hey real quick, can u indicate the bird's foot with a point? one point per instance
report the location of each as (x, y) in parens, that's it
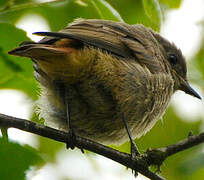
(134, 150)
(71, 139)
(134, 154)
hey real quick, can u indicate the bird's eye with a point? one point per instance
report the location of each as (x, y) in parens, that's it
(172, 59)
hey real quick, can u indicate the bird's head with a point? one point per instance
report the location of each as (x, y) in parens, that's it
(177, 65)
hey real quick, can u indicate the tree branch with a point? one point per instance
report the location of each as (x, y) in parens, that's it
(140, 164)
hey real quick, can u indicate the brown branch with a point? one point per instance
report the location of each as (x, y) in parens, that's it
(184, 144)
(140, 164)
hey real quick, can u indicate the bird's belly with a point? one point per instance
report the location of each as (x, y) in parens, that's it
(103, 123)
(93, 111)
(97, 116)
(96, 109)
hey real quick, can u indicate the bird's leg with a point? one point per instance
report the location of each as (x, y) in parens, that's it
(134, 151)
(71, 135)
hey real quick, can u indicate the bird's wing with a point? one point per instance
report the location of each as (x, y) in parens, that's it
(120, 39)
(97, 33)
(128, 41)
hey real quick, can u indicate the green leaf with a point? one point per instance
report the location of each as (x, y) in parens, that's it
(16, 72)
(67, 11)
(198, 63)
(105, 10)
(153, 11)
(3, 4)
(12, 10)
(133, 12)
(190, 165)
(49, 148)
(60, 13)
(22, 1)
(7, 4)
(16, 159)
(171, 4)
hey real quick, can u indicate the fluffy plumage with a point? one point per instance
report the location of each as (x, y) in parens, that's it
(108, 69)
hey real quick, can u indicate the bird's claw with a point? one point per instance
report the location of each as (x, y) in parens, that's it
(71, 139)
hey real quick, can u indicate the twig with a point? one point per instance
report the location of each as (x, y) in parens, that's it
(140, 164)
(184, 144)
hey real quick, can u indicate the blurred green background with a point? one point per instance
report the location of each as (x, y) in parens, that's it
(17, 158)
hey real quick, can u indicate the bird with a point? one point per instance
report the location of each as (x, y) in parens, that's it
(107, 81)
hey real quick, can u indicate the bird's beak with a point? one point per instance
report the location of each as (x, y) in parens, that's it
(189, 90)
